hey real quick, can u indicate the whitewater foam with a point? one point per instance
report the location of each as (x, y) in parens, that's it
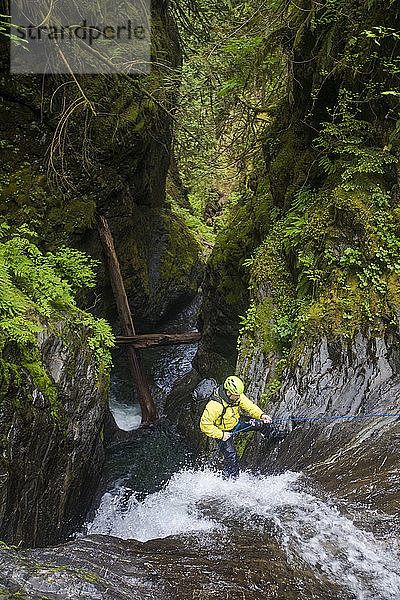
(309, 529)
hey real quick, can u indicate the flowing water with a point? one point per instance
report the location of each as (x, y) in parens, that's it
(163, 365)
(152, 490)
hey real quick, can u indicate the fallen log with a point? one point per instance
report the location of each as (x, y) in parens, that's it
(157, 339)
(149, 411)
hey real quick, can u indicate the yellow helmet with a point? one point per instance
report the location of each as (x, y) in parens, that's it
(234, 385)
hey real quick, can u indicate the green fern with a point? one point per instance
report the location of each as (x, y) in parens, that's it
(37, 289)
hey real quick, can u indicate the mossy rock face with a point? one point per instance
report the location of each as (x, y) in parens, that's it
(161, 262)
(225, 287)
(51, 447)
(66, 159)
(174, 266)
(324, 283)
(331, 260)
(290, 166)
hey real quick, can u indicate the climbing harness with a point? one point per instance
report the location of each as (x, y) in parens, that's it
(236, 430)
(217, 398)
(222, 441)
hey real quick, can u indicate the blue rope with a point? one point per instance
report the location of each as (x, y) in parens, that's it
(309, 419)
(331, 417)
(244, 429)
(236, 430)
(219, 447)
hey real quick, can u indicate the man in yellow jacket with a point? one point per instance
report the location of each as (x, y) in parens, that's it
(221, 416)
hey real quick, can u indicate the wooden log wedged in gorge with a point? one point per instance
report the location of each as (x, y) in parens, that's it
(158, 339)
(149, 411)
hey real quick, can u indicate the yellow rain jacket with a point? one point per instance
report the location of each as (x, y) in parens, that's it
(214, 421)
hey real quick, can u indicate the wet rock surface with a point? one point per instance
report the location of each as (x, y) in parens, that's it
(51, 450)
(179, 568)
(281, 554)
(355, 458)
(185, 405)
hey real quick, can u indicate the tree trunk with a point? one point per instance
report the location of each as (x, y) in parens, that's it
(158, 339)
(149, 411)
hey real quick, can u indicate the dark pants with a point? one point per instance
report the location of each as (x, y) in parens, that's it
(231, 468)
(228, 448)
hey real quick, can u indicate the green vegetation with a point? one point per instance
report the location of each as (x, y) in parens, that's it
(228, 79)
(6, 30)
(204, 234)
(331, 261)
(37, 293)
(284, 163)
